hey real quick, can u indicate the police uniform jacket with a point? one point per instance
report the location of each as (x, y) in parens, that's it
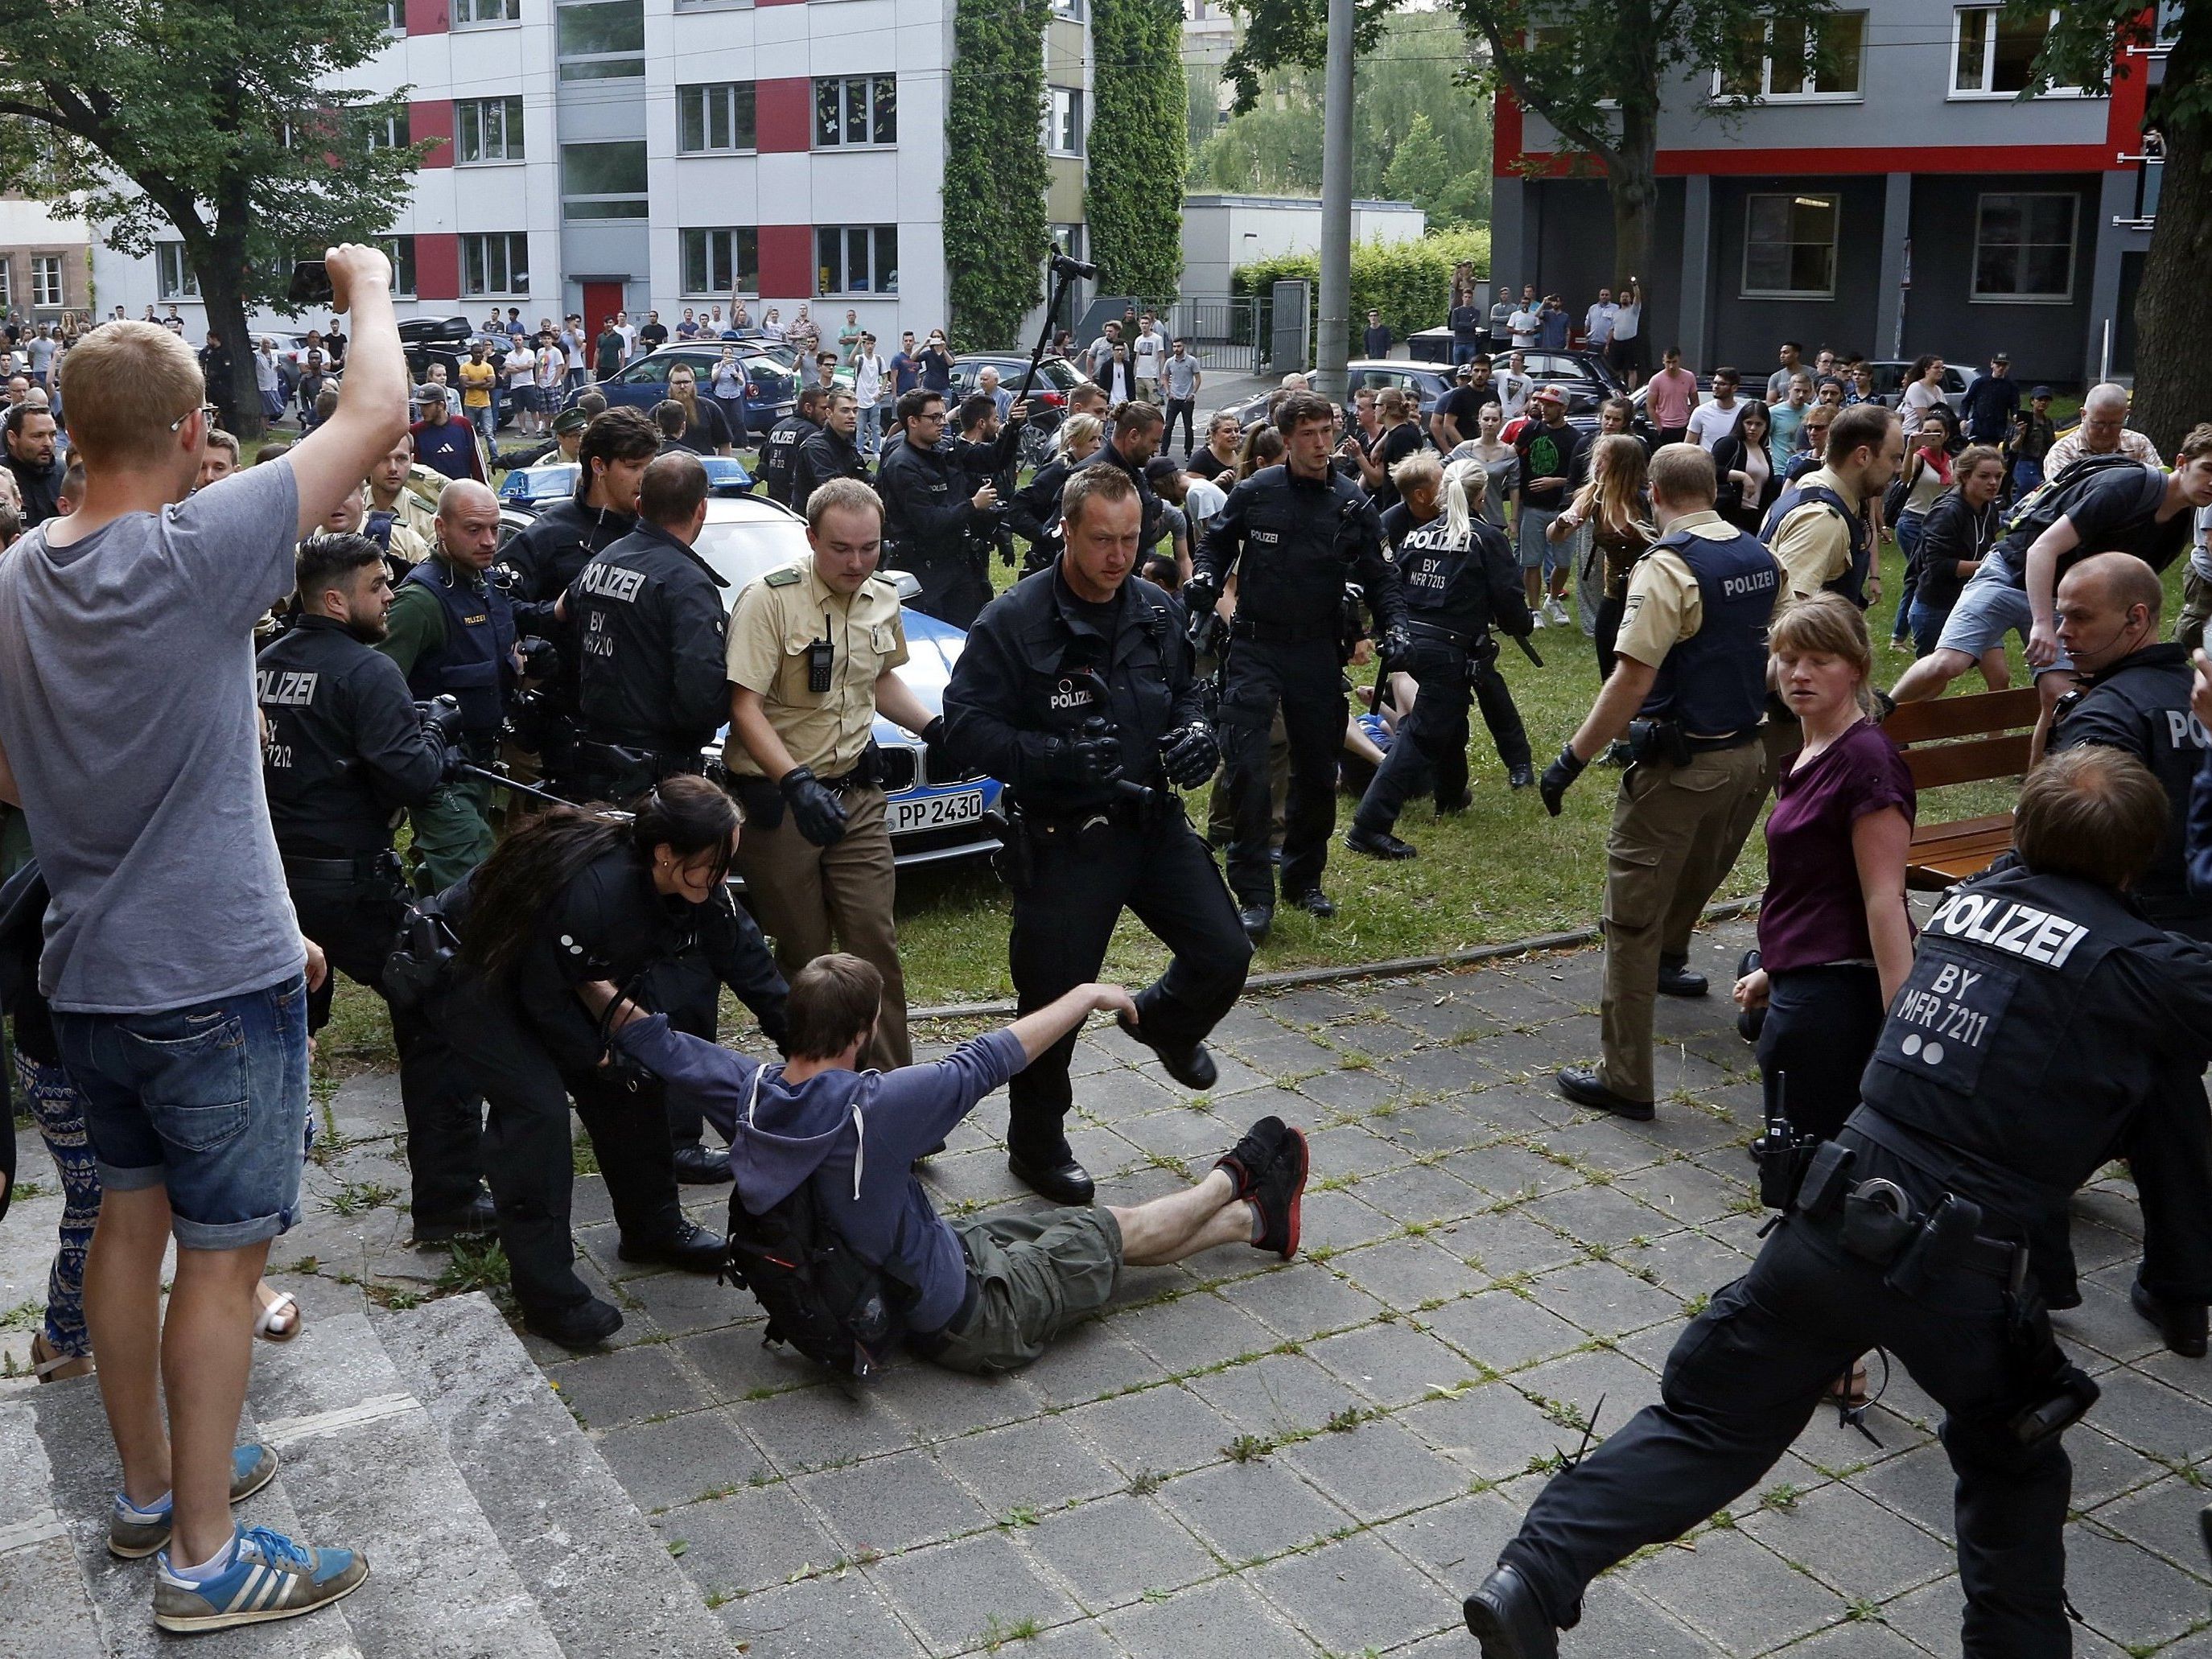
(472, 662)
(2141, 704)
(1033, 511)
(822, 456)
(546, 554)
(2039, 1012)
(608, 923)
(346, 750)
(1817, 527)
(1465, 590)
(1294, 543)
(780, 455)
(648, 617)
(1021, 681)
(927, 512)
(1699, 604)
(778, 619)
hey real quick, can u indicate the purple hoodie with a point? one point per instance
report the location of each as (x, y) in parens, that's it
(863, 1175)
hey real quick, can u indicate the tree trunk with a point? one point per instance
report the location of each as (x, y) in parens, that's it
(223, 294)
(2173, 350)
(1629, 174)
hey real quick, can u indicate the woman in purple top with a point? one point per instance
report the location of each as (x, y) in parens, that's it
(1834, 939)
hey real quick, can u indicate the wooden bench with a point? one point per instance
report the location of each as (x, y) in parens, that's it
(1972, 739)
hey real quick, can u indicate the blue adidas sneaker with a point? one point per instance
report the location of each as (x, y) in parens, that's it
(269, 1577)
(129, 1537)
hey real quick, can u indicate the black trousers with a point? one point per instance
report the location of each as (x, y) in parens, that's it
(1179, 409)
(527, 1158)
(1080, 881)
(1429, 752)
(1306, 682)
(1609, 612)
(1822, 1026)
(2169, 1153)
(1743, 1381)
(356, 923)
(955, 586)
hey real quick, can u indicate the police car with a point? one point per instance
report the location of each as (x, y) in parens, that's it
(933, 816)
(537, 488)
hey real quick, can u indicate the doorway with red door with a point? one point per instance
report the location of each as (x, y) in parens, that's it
(602, 297)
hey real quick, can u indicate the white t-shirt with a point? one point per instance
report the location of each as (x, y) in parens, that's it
(521, 366)
(1201, 501)
(1523, 324)
(1513, 393)
(868, 373)
(1149, 349)
(552, 367)
(1710, 423)
(1919, 399)
(1599, 323)
(1627, 319)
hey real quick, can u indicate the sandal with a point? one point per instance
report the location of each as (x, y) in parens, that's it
(279, 1319)
(1850, 1388)
(49, 1366)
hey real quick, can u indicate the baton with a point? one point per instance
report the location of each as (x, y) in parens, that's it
(469, 770)
(1526, 649)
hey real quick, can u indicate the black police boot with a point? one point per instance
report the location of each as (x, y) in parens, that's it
(687, 1246)
(1522, 776)
(580, 1325)
(1750, 1022)
(1504, 1618)
(1190, 1065)
(1379, 844)
(1051, 1171)
(1580, 1084)
(474, 1219)
(1446, 809)
(1256, 920)
(701, 1165)
(2180, 1324)
(1675, 979)
(1313, 902)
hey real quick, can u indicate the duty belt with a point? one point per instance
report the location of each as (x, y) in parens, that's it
(1727, 740)
(1267, 633)
(1878, 1221)
(361, 867)
(1465, 639)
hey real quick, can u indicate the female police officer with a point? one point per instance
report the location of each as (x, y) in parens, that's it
(572, 896)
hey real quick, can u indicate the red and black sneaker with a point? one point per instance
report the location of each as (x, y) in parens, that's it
(1281, 1187)
(1248, 1159)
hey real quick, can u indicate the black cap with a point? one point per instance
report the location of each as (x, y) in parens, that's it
(2039, 392)
(1999, 357)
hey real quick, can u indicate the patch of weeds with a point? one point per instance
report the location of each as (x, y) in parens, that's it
(1334, 1183)
(358, 1197)
(997, 1633)
(1145, 1483)
(1418, 1229)
(1724, 1521)
(27, 1190)
(1174, 1166)
(1022, 1514)
(1547, 1463)
(1347, 1419)
(719, 1599)
(583, 1157)
(1861, 1609)
(1200, 1103)
(1565, 1413)
(1246, 1447)
(398, 1298)
(477, 1265)
(1782, 1496)
(1697, 1304)
(1155, 1596)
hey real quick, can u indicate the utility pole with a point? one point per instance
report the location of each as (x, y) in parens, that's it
(1333, 349)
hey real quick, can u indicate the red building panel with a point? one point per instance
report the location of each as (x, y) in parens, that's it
(426, 17)
(786, 260)
(783, 114)
(438, 266)
(433, 118)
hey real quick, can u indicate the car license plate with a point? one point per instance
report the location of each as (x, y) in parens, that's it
(936, 811)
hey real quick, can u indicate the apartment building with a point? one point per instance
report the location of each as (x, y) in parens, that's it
(1904, 199)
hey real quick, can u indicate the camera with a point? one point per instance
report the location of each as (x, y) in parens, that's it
(1064, 266)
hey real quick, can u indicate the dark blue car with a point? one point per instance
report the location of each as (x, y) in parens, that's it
(771, 391)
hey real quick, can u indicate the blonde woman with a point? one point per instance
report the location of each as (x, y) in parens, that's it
(1501, 464)
(1615, 505)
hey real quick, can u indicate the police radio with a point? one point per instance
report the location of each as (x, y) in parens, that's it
(1782, 1153)
(820, 653)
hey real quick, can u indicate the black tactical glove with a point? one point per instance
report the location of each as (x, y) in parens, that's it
(1097, 753)
(1189, 755)
(541, 659)
(815, 807)
(936, 763)
(1199, 596)
(1395, 645)
(1553, 786)
(441, 720)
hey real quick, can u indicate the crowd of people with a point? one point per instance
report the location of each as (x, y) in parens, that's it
(544, 715)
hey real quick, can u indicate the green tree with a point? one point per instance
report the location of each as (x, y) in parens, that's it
(1592, 69)
(1420, 172)
(1133, 197)
(995, 177)
(2173, 354)
(224, 119)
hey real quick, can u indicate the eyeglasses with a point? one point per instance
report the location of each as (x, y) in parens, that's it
(207, 412)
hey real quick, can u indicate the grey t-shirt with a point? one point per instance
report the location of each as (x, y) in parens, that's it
(1181, 376)
(128, 714)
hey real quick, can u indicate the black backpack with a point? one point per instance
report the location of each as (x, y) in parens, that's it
(820, 1296)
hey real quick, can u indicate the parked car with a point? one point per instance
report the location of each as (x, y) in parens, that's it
(538, 487)
(1421, 381)
(1890, 378)
(446, 340)
(771, 391)
(1055, 379)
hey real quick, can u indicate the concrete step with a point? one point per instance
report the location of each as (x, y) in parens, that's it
(367, 1468)
(601, 1576)
(82, 1475)
(48, 1611)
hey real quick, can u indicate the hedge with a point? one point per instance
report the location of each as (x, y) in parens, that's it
(994, 171)
(1139, 146)
(1409, 282)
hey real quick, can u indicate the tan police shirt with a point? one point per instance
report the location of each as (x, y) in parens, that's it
(1814, 544)
(777, 618)
(1664, 605)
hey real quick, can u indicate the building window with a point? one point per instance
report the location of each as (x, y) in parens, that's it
(602, 39)
(466, 14)
(2024, 247)
(857, 109)
(856, 260)
(1993, 53)
(1789, 247)
(46, 281)
(173, 277)
(1071, 10)
(395, 16)
(7, 285)
(1773, 66)
(1063, 120)
(496, 262)
(717, 263)
(487, 130)
(603, 181)
(715, 118)
(388, 132)
(400, 250)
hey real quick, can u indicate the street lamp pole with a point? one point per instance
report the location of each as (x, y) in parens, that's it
(1333, 349)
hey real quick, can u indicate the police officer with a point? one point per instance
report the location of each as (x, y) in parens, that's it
(1033, 511)
(936, 524)
(1818, 526)
(1461, 580)
(1076, 688)
(1687, 688)
(452, 634)
(990, 452)
(345, 752)
(2040, 1014)
(779, 454)
(1133, 439)
(2134, 697)
(832, 452)
(814, 652)
(1295, 534)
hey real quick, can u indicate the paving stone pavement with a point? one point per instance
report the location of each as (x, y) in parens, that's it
(1319, 1457)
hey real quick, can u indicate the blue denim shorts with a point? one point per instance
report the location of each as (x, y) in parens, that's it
(210, 1101)
(1989, 607)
